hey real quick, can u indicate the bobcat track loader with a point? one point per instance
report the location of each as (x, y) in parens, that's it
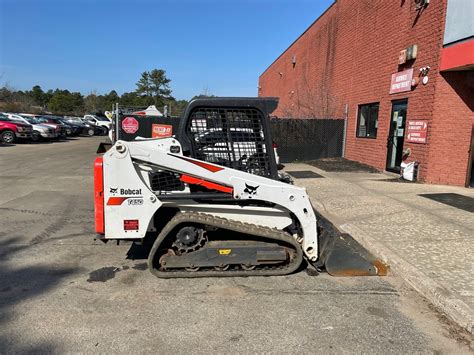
(213, 203)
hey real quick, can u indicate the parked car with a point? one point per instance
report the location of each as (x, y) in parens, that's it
(86, 128)
(10, 130)
(60, 128)
(71, 130)
(99, 121)
(98, 130)
(39, 130)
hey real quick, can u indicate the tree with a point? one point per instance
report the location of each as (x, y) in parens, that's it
(315, 100)
(155, 85)
(91, 102)
(37, 95)
(65, 102)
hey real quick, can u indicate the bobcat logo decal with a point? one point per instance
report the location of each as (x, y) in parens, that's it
(251, 190)
(113, 190)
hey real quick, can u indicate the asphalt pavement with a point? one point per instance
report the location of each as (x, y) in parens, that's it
(62, 291)
(423, 231)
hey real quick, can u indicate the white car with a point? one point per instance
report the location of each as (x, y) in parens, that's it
(39, 130)
(98, 121)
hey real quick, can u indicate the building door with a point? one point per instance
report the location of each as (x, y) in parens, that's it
(396, 135)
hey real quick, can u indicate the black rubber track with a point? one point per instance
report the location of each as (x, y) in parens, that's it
(273, 235)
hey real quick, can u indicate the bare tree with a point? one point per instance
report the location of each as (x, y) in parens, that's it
(312, 101)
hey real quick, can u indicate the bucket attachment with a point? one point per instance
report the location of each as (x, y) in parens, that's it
(342, 255)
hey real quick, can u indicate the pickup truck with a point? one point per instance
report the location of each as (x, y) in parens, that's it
(39, 130)
(10, 130)
(99, 121)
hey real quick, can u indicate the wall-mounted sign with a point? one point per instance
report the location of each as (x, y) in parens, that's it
(401, 81)
(417, 131)
(161, 130)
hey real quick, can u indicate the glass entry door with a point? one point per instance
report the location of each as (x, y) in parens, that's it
(396, 135)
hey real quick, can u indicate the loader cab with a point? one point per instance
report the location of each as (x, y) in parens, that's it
(232, 132)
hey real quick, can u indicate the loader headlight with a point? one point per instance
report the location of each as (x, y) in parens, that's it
(175, 149)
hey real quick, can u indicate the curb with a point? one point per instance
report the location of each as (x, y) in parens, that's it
(442, 298)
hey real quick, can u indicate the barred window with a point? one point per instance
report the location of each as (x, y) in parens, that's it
(367, 120)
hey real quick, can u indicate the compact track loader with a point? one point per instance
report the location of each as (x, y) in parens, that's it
(213, 203)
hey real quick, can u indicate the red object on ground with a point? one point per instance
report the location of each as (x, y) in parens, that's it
(130, 125)
(99, 195)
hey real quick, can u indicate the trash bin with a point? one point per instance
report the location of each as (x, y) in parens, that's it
(409, 170)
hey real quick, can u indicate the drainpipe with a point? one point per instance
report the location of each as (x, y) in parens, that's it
(346, 114)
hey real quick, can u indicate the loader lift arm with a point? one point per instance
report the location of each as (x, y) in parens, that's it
(241, 186)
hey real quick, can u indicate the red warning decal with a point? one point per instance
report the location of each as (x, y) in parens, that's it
(130, 224)
(130, 125)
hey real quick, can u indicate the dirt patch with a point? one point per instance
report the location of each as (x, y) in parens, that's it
(341, 165)
(140, 266)
(103, 274)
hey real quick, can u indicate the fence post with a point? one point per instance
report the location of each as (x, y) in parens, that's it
(117, 125)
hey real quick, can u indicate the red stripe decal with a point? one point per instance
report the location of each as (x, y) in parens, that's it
(212, 168)
(116, 201)
(210, 185)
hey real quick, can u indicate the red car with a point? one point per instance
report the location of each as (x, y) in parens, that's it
(10, 130)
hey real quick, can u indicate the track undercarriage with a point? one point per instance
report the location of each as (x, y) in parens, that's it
(201, 245)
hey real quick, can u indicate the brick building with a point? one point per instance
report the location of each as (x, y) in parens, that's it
(400, 71)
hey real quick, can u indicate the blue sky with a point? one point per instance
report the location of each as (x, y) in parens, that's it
(86, 45)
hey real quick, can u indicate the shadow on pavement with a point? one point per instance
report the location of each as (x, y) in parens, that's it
(18, 285)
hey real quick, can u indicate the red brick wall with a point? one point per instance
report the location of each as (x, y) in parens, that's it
(347, 57)
(450, 135)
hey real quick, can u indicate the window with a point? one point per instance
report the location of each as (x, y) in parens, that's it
(367, 120)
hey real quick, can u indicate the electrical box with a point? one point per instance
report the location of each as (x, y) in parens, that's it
(412, 51)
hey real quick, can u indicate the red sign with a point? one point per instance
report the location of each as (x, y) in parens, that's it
(401, 81)
(417, 131)
(161, 130)
(130, 125)
(130, 225)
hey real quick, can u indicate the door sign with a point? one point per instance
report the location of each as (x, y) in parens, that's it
(417, 131)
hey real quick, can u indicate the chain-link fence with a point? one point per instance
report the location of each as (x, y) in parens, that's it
(308, 139)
